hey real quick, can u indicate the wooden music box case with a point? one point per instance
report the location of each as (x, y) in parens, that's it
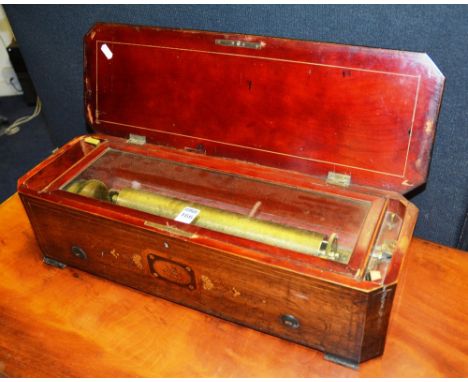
(253, 178)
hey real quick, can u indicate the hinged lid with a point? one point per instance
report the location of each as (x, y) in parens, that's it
(305, 106)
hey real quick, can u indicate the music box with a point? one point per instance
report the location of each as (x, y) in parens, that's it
(253, 178)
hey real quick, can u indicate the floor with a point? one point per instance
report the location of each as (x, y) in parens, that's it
(22, 151)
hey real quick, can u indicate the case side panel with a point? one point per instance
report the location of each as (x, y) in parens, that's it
(36, 223)
(276, 301)
(377, 319)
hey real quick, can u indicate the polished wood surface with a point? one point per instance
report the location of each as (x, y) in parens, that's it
(335, 319)
(69, 323)
(306, 106)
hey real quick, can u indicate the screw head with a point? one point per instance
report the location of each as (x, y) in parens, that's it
(78, 252)
(290, 321)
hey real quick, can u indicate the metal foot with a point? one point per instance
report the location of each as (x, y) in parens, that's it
(53, 263)
(341, 361)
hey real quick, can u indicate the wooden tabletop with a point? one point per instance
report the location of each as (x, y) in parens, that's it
(67, 323)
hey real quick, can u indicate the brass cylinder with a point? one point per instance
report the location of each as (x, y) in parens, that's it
(91, 188)
(294, 239)
(215, 219)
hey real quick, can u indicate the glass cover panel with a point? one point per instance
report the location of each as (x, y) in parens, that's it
(245, 211)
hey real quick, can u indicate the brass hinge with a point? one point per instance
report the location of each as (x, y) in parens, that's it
(136, 139)
(338, 179)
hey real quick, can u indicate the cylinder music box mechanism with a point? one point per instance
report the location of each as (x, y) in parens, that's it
(254, 178)
(214, 219)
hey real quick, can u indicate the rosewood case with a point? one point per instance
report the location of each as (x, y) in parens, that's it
(273, 141)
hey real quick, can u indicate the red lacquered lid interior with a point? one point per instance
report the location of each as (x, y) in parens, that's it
(299, 105)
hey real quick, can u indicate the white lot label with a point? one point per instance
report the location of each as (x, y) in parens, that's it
(106, 50)
(187, 215)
